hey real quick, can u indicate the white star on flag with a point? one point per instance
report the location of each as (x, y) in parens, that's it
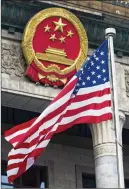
(98, 67)
(93, 73)
(102, 53)
(94, 82)
(98, 76)
(88, 78)
(102, 61)
(103, 70)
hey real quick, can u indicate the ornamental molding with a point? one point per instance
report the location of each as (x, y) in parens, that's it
(13, 62)
(127, 82)
(104, 132)
(105, 150)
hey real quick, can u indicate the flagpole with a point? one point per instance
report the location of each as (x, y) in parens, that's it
(110, 34)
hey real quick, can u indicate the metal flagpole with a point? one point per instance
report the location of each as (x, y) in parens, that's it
(110, 33)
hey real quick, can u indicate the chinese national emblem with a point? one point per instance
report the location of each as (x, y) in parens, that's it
(55, 46)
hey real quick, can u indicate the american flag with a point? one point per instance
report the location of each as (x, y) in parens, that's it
(85, 99)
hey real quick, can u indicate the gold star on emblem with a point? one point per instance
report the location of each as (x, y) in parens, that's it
(62, 39)
(47, 28)
(70, 33)
(59, 25)
(53, 37)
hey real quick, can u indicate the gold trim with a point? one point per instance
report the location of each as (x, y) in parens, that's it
(54, 58)
(40, 76)
(56, 51)
(52, 78)
(30, 31)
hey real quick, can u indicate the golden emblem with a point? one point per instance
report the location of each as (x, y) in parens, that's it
(55, 46)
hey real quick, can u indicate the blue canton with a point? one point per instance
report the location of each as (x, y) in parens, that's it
(95, 70)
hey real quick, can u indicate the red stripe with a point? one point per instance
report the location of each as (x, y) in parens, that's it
(100, 93)
(16, 156)
(66, 90)
(85, 119)
(23, 169)
(19, 127)
(93, 106)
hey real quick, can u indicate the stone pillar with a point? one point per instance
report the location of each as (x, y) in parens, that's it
(104, 146)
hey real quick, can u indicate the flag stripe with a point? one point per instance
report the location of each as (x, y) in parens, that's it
(88, 90)
(91, 95)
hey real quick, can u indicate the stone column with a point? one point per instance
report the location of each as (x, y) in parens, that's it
(104, 146)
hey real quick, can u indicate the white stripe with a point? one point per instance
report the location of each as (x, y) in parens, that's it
(91, 112)
(15, 143)
(13, 171)
(30, 161)
(73, 78)
(26, 150)
(93, 89)
(43, 144)
(22, 150)
(45, 125)
(96, 100)
(12, 161)
(32, 137)
(35, 135)
(8, 138)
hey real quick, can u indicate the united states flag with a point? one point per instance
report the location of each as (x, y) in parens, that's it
(85, 99)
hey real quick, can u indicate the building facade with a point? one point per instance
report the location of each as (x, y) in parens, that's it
(71, 159)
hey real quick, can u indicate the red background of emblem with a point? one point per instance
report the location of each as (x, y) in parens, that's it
(41, 42)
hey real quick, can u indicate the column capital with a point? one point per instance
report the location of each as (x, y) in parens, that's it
(103, 133)
(104, 138)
